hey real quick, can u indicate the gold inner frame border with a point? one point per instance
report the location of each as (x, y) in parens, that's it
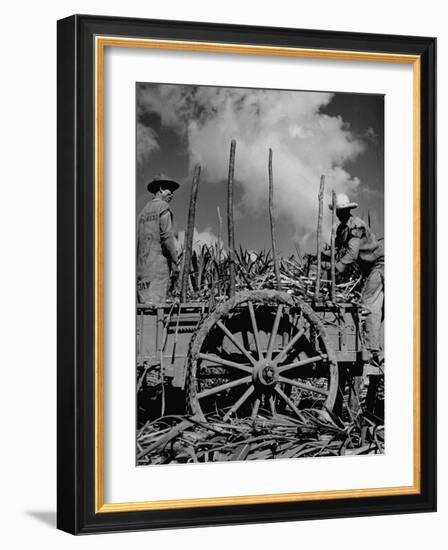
(101, 42)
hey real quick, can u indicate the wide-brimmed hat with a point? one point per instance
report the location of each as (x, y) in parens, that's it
(343, 202)
(164, 181)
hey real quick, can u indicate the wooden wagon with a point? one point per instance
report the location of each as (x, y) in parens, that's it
(261, 351)
(255, 352)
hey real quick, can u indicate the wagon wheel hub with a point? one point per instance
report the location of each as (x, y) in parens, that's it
(265, 373)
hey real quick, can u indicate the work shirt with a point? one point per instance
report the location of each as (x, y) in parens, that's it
(156, 244)
(356, 242)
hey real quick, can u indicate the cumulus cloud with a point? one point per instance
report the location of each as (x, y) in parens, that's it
(199, 238)
(305, 141)
(146, 142)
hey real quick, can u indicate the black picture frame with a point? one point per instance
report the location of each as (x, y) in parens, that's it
(76, 475)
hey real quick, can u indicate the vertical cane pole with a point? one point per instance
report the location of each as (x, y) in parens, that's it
(332, 250)
(230, 224)
(272, 222)
(319, 237)
(218, 211)
(189, 234)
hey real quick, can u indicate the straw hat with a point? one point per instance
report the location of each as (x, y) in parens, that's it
(343, 202)
(165, 181)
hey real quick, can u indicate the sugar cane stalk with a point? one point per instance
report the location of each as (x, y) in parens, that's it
(230, 223)
(218, 211)
(190, 231)
(272, 222)
(319, 237)
(332, 244)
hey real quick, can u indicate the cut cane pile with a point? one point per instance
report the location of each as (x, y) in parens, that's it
(209, 275)
(183, 439)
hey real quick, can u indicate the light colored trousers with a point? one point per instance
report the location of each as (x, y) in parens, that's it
(152, 284)
(153, 291)
(373, 302)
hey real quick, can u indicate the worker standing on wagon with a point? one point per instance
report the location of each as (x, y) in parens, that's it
(156, 243)
(356, 242)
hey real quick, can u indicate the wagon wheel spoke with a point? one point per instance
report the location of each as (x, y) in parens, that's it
(223, 387)
(255, 329)
(272, 405)
(238, 404)
(273, 336)
(224, 362)
(283, 354)
(301, 363)
(288, 402)
(302, 386)
(255, 408)
(235, 342)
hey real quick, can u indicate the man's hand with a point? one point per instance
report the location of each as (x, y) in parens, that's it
(174, 276)
(325, 265)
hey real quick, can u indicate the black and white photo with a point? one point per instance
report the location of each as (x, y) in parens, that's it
(259, 274)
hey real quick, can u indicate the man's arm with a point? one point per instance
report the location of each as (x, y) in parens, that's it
(167, 236)
(139, 236)
(351, 254)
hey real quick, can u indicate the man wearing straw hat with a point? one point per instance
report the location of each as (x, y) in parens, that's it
(156, 244)
(356, 242)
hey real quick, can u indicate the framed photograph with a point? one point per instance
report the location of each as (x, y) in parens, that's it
(246, 274)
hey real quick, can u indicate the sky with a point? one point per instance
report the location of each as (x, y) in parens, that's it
(310, 133)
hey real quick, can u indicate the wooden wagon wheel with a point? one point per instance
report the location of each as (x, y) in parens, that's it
(259, 354)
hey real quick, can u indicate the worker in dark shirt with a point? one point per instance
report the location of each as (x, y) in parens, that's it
(356, 242)
(156, 243)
